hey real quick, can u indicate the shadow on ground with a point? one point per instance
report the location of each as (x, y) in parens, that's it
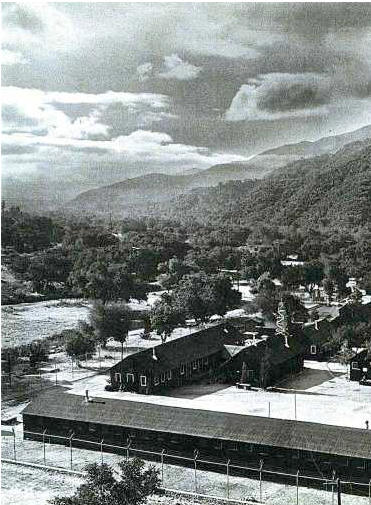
(193, 391)
(309, 378)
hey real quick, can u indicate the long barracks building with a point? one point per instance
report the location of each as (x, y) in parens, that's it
(282, 444)
(219, 352)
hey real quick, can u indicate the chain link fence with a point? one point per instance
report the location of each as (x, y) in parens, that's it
(222, 479)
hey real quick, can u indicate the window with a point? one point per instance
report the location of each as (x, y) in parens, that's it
(206, 361)
(355, 365)
(157, 380)
(143, 380)
(163, 377)
(218, 444)
(250, 374)
(233, 446)
(130, 378)
(118, 377)
(182, 369)
(194, 365)
(168, 374)
(313, 349)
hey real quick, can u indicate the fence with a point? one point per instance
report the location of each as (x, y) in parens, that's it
(199, 475)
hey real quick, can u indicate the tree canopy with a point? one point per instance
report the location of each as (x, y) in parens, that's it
(132, 485)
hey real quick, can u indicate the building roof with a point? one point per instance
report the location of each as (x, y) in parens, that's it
(278, 352)
(288, 434)
(186, 349)
(363, 355)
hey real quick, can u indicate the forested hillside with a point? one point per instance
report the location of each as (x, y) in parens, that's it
(331, 190)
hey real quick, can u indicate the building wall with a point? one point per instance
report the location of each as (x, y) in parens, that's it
(212, 449)
(252, 357)
(359, 367)
(149, 382)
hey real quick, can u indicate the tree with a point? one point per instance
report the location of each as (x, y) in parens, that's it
(225, 297)
(339, 278)
(111, 320)
(295, 308)
(195, 294)
(292, 277)
(78, 344)
(329, 288)
(266, 301)
(166, 315)
(313, 275)
(103, 279)
(133, 486)
(265, 367)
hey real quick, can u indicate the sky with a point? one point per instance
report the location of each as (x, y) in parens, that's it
(94, 93)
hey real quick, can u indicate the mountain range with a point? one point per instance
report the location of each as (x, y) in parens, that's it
(136, 195)
(330, 190)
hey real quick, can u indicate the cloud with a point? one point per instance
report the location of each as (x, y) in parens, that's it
(250, 56)
(280, 95)
(36, 27)
(176, 68)
(12, 58)
(139, 146)
(36, 111)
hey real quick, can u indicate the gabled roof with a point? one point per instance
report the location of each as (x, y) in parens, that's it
(188, 348)
(364, 355)
(278, 352)
(313, 437)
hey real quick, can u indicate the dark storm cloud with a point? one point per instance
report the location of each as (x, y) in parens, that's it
(318, 18)
(293, 95)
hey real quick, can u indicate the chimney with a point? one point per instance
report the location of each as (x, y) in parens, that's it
(316, 325)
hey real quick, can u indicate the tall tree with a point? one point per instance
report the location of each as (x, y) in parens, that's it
(166, 315)
(78, 344)
(313, 275)
(111, 320)
(329, 287)
(225, 297)
(265, 367)
(195, 294)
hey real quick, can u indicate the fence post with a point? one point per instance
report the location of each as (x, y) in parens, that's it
(72, 434)
(228, 462)
(297, 487)
(339, 491)
(44, 446)
(195, 453)
(127, 448)
(260, 480)
(333, 483)
(162, 467)
(14, 450)
(101, 450)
